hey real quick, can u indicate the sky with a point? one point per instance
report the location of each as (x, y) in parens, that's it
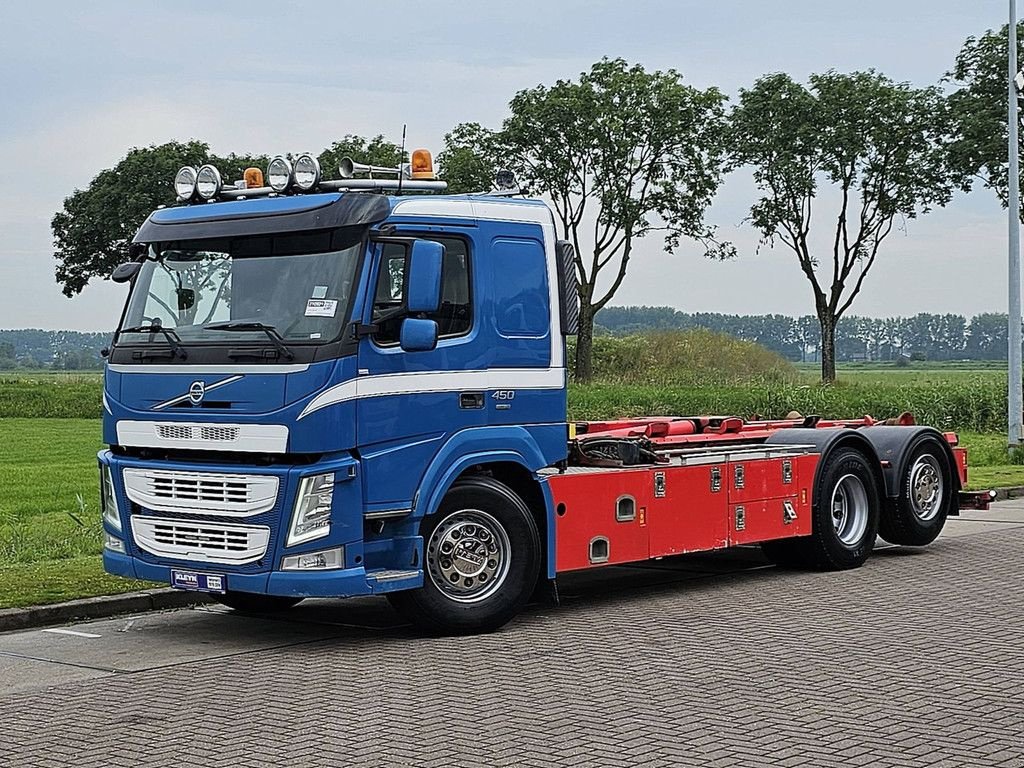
(82, 83)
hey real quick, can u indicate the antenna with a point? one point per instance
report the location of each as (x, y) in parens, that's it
(401, 161)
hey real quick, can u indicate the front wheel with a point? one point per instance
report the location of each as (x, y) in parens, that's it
(481, 561)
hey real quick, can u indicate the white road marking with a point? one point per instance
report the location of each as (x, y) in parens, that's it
(71, 632)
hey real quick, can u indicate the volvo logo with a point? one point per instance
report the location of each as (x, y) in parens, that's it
(196, 392)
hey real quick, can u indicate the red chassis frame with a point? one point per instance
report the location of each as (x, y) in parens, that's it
(721, 486)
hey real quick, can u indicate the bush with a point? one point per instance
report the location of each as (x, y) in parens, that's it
(692, 358)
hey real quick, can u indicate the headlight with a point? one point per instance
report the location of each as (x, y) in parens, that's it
(208, 182)
(279, 174)
(108, 499)
(307, 172)
(311, 518)
(185, 182)
(323, 560)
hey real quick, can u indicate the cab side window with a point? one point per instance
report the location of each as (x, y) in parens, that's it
(455, 315)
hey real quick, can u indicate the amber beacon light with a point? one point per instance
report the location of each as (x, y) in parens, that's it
(422, 165)
(253, 178)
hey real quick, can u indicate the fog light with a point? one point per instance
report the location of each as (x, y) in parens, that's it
(112, 543)
(208, 182)
(185, 183)
(324, 560)
(279, 174)
(306, 172)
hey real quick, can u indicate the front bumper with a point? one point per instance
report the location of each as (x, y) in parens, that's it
(347, 582)
(364, 572)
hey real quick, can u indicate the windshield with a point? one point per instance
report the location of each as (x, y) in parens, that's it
(297, 285)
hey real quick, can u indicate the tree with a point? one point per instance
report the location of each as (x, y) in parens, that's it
(620, 153)
(92, 230)
(878, 144)
(376, 151)
(978, 152)
(468, 160)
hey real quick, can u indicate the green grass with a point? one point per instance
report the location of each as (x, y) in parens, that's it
(49, 513)
(54, 581)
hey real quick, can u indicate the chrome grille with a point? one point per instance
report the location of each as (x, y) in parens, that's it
(201, 492)
(174, 432)
(204, 542)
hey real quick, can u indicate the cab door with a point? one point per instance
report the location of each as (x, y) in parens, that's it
(410, 402)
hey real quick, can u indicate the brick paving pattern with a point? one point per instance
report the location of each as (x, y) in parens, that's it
(913, 660)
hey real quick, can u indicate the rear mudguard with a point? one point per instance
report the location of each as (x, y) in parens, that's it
(894, 445)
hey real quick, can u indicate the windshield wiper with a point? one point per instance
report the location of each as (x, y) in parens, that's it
(173, 340)
(275, 338)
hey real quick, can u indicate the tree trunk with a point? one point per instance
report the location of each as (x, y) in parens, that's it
(585, 343)
(828, 347)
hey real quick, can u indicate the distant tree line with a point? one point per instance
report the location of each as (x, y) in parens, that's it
(920, 337)
(34, 349)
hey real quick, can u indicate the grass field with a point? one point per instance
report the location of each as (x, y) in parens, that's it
(50, 432)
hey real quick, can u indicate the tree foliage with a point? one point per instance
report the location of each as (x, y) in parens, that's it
(620, 152)
(878, 145)
(978, 106)
(92, 230)
(468, 160)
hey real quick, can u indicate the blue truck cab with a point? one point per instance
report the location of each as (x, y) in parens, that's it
(299, 381)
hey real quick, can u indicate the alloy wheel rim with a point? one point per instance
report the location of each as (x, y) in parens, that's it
(849, 509)
(468, 556)
(927, 489)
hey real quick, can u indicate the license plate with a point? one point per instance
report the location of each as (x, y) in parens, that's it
(197, 582)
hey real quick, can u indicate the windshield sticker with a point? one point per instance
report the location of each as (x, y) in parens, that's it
(319, 292)
(321, 307)
(315, 335)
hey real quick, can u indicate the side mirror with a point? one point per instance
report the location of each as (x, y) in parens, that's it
(424, 278)
(418, 335)
(125, 272)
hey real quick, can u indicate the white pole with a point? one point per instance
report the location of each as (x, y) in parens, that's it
(1014, 335)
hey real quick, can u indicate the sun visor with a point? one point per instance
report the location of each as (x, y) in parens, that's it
(263, 216)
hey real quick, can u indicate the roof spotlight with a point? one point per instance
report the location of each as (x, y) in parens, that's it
(307, 172)
(208, 182)
(185, 182)
(279, 174)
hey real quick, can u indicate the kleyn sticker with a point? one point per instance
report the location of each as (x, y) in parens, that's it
(321, 307)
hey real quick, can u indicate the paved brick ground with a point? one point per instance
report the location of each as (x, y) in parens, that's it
(913, 660)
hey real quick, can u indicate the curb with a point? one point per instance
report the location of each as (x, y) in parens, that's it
(98, 608)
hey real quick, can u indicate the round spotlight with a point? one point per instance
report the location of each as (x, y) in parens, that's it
(208, 182)
(185, 182)
(279, 174)
(307, 172)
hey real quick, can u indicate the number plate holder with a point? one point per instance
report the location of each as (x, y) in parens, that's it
(193, 581)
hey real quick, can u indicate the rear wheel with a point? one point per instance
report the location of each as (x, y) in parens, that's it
(250, 602)
(481, 561)
(918, 516)
(845, 518)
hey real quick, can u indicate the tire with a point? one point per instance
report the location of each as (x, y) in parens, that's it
(251, 602)
(845, 518)
(927, 494)
(467, 594)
